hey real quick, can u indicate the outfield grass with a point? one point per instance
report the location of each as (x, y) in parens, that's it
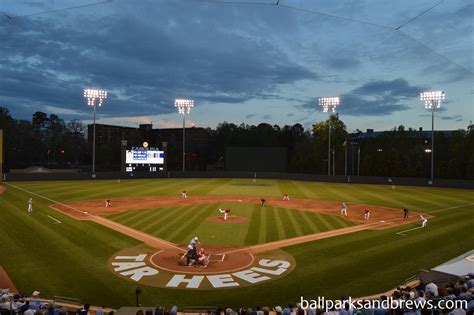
(70, 258)
(180, 224)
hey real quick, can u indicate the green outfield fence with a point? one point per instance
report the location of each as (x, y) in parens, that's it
(448, 183)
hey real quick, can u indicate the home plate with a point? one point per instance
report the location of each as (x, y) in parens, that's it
(382, 221)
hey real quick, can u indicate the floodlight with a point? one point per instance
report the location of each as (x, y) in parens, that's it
(329, 104)
(432, 98)
(432, 101)
(92, 95)
(184, 105)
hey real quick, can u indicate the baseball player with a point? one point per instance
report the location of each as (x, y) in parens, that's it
(225, 212)
(286, 197)
(263, 201)
(366, 214)
(405, 213)
(193, 243)
(184, 194)
(423, 221)
(344, 209)
(30, 205)
(108, 203)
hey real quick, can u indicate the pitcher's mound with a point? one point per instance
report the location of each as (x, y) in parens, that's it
(221, 260)
(232, 219)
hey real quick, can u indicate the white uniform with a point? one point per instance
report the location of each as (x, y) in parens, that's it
(30, 205)
(193, 243)
(224, 212)
(344, 209)
(184, 194)
(366, 215)
(286, 197)
(423, 221)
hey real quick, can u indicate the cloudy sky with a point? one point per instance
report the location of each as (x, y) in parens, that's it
(240, 62)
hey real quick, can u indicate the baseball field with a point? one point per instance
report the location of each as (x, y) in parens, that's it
(71, 245)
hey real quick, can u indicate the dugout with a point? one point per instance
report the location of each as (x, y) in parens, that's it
(256, 159)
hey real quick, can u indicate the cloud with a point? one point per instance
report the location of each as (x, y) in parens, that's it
(290, 114)
(375, 98)
(49, 62)
(137, 120)
(171, 124)
(250, 116)
(267, 117)
(457, 118)
(379, 98)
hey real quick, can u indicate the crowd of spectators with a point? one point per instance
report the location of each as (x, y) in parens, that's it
(441, 298)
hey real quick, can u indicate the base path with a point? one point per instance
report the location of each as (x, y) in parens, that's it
(355, 211)
(5, 281)
(380, 217)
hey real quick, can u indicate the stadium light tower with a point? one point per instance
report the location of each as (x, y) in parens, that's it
(184, 107)
(94, 97)
(432, 101)
(329, 105)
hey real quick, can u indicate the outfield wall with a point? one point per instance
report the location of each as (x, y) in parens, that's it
(448, 183)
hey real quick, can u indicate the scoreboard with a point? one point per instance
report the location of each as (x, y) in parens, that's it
(144, 159)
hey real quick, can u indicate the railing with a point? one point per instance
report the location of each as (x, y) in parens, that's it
(200, 310)
(66, 301)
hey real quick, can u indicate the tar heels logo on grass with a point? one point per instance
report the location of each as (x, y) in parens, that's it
(141, 268)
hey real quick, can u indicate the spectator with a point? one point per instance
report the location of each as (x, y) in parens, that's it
(433, 288)
(470, 282)
(174, 310)
(278, 310)
(84, 310)
(465, 294)
(139, 312)
(159, 310)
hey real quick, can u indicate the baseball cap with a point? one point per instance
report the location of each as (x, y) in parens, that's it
(196, 238)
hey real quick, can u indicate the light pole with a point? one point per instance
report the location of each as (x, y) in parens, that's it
(345, 158)
(329, 105)
(94, 97)
(184, 107)
(432, 101)
(358, 161)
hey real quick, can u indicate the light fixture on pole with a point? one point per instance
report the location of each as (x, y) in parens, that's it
(94, 98)
(329, 105)
(432, 101)
(184, 107)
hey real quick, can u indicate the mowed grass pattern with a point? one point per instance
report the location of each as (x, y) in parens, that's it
(180, 224)
(70, 259)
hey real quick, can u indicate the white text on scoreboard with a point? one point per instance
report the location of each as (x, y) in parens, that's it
(145, 157)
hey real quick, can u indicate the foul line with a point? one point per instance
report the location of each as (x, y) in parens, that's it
(98, 218)
(403, 232)
(434, 211)
(57, 221)
(455, 207)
